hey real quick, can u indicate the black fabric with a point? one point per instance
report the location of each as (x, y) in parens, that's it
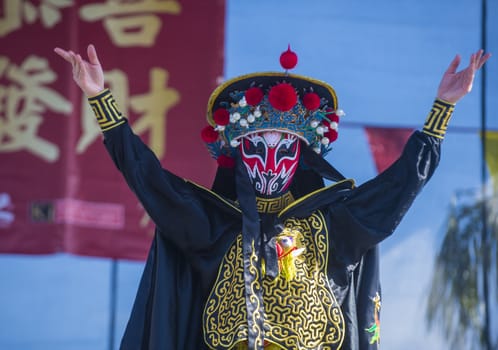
(195, 228)
(251, 244)
(224, 183)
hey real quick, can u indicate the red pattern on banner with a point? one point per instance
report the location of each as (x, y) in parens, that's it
(386, 144)
(162, 59)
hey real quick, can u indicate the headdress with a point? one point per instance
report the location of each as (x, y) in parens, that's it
(295, 104)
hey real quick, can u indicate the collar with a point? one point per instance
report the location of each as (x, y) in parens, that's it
(274, 205)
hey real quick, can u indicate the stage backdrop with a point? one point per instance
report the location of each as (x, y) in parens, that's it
(59, 190)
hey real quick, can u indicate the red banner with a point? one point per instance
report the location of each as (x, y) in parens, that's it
(386, 144)
(59, 190)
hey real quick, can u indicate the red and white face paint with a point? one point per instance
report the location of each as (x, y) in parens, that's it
(271, 159)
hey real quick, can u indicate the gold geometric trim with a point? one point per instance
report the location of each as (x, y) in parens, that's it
(438, 118)
(273, 205)
(106, 110)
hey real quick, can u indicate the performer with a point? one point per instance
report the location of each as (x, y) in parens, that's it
(269, 257)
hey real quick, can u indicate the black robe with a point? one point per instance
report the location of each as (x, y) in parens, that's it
(196, 227)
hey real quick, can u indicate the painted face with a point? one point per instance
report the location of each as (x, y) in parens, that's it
(271, 159)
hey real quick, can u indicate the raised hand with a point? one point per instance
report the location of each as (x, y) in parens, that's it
(455, 85)
(87, 74)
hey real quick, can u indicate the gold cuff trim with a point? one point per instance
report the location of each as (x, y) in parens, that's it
(273, 205)
(438, 118)
(106, 110)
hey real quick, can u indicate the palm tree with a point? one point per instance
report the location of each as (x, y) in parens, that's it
(459, 299)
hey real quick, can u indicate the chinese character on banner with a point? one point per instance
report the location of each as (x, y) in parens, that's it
(131, 23)
(24, 102)
(15, 12)
(59, 189)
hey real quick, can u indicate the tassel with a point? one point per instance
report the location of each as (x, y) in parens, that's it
(288, 252)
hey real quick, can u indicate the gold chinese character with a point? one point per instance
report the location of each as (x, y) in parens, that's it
(23, 103)
(153, 108)
(136, 25)
(15, 11)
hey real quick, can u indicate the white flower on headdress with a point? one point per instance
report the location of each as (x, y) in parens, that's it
(234, 143)
(257, 113)
(320, 130)
(325, 141)
(234, 117)
(243, 102)
(334, 126)
(251, 118)
(314, 123)
(243, 122)
(340, 113)
(317, 150)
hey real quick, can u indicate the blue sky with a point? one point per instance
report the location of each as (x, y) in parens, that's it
(385, 60)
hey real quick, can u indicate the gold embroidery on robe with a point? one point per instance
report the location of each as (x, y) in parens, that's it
(300, 314)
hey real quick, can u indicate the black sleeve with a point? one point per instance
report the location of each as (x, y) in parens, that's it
(369, 213)
(172, 203)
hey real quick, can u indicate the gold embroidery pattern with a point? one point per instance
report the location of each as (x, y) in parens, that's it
(438, 118)
(300, 314)
(105, 109)
(225, 314)
(273, 205)
(253, 298)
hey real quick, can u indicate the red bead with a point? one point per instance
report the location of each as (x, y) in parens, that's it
(288, 59)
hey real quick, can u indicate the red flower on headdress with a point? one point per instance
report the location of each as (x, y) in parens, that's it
(225, 161)
(208, 134)
(221, 116)
(288, 59)
(331, 135)
(254, 96)
(332, 115)
(311, 101)
(282, 97)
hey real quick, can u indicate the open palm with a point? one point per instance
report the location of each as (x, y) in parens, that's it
(87, 74)
(455, 85)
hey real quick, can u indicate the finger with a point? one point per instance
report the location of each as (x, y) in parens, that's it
(92, 55)
(454, 64)
(63, 53)
(80, 64)
(472, 63)
(483, 60)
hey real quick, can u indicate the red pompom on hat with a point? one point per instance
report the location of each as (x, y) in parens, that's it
(225, 161)
(282, 97)
(208, 134)
(332, 116)
(221, 116)
(311, 101)
(288, 59)
(331, 135)
(254, 96)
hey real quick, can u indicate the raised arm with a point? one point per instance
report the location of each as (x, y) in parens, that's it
(173, 203)
(372, 211)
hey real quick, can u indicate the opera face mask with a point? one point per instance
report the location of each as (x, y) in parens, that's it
(271, 159)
